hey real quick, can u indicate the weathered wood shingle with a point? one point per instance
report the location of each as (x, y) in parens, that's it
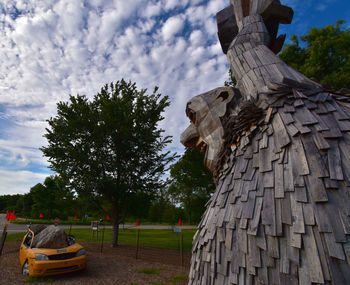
(280, 213)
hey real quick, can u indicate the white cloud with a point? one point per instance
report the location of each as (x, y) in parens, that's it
(23, 181)
(196, 37)
(62, 47)
(171, 4)
(152, 10)
(172, 26)
(54, 48)
(215, 6)
(71, 15)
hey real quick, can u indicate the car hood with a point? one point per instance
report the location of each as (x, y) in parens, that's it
(49, 251)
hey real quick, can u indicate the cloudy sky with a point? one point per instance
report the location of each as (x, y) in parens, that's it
(52, 48)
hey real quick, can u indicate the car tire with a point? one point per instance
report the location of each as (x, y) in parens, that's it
(25, 268)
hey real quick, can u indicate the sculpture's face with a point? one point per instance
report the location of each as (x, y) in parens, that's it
(206, 131)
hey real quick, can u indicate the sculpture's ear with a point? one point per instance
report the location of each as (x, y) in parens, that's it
(280, 13)
(272, 12)
(265, 8)
(224, 97)
(277, 44)
(227, 27)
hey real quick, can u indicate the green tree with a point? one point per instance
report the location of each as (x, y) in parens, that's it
(10, 202)
(138, 205)
(51, 198)
(324, 55)
(192, 183)
(110, 147)
(163, 209)
(27, 204)
(231, 80)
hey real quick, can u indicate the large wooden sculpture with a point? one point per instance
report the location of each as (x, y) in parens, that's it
(279, 146)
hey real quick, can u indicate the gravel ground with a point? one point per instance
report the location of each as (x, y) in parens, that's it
(113, 266)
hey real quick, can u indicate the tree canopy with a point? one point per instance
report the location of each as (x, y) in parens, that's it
(51, 198)
(110, 148)
(192, 183)
(324, 55)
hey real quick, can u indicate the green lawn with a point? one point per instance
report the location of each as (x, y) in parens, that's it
(24, 221)
(154, 238)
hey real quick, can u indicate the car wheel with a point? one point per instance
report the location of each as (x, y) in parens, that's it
(25, 268)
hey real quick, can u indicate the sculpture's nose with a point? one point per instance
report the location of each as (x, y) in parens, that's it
(190, 136)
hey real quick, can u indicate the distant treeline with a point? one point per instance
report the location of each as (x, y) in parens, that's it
(186, 192)
(53, 199)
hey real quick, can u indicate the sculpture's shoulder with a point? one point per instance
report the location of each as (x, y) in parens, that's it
(282, 197)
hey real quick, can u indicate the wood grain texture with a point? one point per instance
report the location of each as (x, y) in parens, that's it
(280, 213)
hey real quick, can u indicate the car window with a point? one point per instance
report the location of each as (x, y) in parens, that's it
(70, 240)
(28, 240)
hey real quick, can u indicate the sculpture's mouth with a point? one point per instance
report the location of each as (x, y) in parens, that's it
(201, 145)
(191, 138)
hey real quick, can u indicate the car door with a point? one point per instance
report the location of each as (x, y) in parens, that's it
(25, 245)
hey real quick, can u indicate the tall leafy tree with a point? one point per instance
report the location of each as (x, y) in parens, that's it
(192, 183)
(26, 203)
(323, 55)
(51, 198)
(111, 147)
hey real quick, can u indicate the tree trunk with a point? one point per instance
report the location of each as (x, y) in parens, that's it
(115, 233)
(189, 206)
(189, 213)
(115, 220)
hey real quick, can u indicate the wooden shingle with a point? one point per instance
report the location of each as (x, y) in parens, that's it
(280, 213)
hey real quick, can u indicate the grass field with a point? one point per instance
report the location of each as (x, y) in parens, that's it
(154, 238)
(88, 221)
(52, 221)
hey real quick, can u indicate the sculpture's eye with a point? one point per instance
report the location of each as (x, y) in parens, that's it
(224, 95)
(192, 116)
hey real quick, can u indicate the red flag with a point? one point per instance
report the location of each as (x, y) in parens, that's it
(107, 217)
(137, 223)
(75, 217)
(12, 216)
(179, 223)
(41, 216)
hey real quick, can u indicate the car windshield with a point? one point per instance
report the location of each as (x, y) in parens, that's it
(40, 236)
(28, 239)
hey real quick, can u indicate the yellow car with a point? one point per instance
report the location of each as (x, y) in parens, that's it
(46, 261)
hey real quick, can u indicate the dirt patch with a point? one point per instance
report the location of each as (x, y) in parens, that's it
(113, 266)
